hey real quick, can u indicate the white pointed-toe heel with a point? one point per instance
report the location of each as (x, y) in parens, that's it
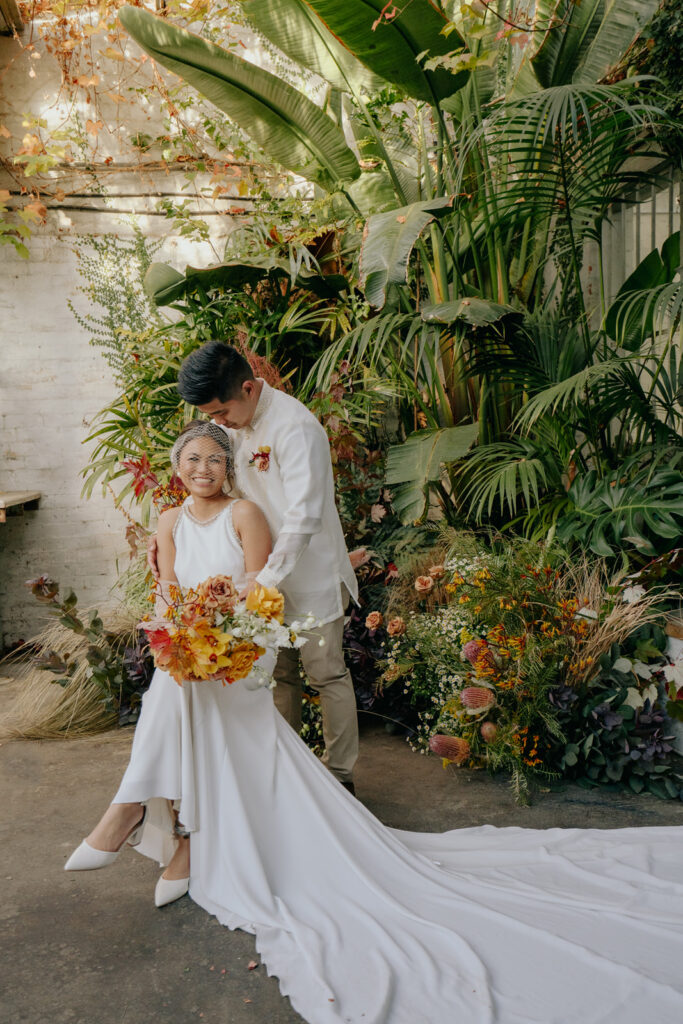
(170, 889)
(87, 858)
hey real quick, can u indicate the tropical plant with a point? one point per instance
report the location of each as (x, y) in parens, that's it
(480, 204)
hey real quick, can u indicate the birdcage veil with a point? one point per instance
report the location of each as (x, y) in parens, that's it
(198, 429)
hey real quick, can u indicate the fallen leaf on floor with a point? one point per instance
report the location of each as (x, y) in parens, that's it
(252, 965)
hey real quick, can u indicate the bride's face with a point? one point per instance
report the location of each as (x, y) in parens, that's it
(202, 467)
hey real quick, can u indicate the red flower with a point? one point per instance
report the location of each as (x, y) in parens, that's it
(143, 477)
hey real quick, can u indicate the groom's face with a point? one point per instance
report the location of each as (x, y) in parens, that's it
(233, 412)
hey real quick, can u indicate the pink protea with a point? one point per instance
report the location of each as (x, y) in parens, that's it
(452, 748)
(488, 731)
(473, 650)
(477, 698)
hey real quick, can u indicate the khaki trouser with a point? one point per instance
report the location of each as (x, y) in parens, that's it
(327, 672)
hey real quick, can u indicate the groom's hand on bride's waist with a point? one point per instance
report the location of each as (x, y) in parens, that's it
(152, 555)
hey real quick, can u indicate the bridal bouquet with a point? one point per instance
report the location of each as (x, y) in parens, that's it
(207, 633)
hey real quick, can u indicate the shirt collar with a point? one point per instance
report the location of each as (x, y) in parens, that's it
(263, 404)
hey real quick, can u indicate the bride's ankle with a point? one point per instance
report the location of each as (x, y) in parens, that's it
(179, 864)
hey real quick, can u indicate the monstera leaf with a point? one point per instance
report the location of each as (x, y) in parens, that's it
(417, 463)
(284, 122)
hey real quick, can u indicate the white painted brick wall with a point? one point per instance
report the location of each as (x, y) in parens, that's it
(52, 384)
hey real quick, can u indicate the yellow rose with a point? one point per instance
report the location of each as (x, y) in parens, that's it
(437, 572)
(242, 658)
(267, 602)
(374, 620)
(396, 627)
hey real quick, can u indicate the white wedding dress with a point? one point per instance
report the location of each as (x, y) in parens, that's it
(364, 924)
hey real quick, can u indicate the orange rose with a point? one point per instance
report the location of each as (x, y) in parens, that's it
(219, 593)
(423, 584)
(374, 620)
(437, 572)
(241, 660)
(396, 627)
(267, 602)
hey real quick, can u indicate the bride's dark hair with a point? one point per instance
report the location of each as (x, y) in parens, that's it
(215, 370)
(204, 428)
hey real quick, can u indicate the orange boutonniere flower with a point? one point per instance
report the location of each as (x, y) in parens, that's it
(261, 458)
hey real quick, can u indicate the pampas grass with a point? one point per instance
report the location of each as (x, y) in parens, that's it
(45, 710)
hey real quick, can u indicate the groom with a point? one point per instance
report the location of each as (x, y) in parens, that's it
(282, 463)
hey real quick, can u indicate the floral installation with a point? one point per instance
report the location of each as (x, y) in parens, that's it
(511, 668)
(261, 458)
(206, 632)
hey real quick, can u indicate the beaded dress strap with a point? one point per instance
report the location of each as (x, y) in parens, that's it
(232, 532)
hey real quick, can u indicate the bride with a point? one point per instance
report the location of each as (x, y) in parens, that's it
(363, 924)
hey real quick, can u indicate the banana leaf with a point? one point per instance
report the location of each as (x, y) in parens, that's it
(388, 241)
(391, 49)
(630, 318)
(417, 463)
(570, 28)
(165, 285)
(284, 122)
(296, 30)
(474, 311)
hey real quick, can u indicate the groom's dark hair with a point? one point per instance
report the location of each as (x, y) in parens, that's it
(215, 370)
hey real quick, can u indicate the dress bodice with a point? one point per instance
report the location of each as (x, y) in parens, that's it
(210, 548)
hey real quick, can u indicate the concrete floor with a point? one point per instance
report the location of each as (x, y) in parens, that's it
(91, 948)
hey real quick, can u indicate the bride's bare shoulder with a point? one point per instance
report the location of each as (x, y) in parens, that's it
(167, 520)
(245, 512)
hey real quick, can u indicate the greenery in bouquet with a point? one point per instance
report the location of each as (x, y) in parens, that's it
(207, 632)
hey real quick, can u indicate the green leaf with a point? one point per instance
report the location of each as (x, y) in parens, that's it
(415, 464)
(165, 285)
(631, 317)
(296, 30)
(391, 50)
(388, 241)
(570, 28)
(284, 122)
(474, 311)
(621, 23)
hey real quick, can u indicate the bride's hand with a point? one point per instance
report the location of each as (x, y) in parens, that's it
(152, 556)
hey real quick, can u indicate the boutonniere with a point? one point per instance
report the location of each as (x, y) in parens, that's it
(261, 458)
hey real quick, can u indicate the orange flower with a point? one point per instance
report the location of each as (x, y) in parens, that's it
(374, 620)
(396, 627)
(241, 660)
(437, 572)
(267, 602)
(423, 584)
